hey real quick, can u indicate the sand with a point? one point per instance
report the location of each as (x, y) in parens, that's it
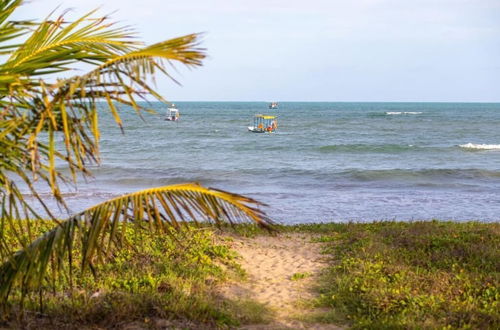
(271, 262)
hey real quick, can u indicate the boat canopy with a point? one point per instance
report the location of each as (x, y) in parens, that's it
(265, 117)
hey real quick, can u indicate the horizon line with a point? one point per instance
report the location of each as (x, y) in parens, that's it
(261, 101)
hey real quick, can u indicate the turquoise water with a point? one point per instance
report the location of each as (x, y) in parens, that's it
(327, 162)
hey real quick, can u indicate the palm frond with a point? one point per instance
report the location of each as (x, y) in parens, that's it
(68, 107)
(159, 209)
(7, 7)
(57, 45)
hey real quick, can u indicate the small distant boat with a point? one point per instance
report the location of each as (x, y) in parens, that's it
(172, 114)
(273, 105)
(264, 124)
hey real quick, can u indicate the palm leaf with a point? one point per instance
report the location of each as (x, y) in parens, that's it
(57, 44)
(159, 210)
(7, 7)
(32, 107)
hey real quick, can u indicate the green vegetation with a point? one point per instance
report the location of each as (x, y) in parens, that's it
(150, 278)
(248, 311)
(412, 275)
(382, 275)
(300, 276)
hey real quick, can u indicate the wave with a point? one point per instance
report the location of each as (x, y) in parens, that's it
(472, 146)
(403, 113)
(149, 177)
(355, 148)
(77, 194)
(422, 174)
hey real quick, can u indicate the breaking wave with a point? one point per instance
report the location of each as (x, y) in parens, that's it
(403, 112)
(360, 148)
(472, 146)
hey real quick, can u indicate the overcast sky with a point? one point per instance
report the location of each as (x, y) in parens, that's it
(321, 50)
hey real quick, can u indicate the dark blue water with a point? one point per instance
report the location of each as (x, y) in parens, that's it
(327, 161)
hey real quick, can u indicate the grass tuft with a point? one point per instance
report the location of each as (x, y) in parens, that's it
(299, 276)
(248, 311)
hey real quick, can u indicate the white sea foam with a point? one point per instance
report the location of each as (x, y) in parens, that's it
(480, 146)
(403, 113)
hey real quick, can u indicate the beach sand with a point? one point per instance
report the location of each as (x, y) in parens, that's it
(271, 262)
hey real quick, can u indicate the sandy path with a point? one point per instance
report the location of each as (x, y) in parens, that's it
(270, 262)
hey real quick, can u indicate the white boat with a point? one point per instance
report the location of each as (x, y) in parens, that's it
(255, 129)
(273, 105)
(172, 114)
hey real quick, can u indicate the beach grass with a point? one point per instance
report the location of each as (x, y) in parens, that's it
(411, 275)
(378, 275)
(152, 280)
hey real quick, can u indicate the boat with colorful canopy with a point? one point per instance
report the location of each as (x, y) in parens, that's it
(264, 124)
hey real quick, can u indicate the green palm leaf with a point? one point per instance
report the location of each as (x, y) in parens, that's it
(159, 210)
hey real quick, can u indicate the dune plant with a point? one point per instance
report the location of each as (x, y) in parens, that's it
(49, 116)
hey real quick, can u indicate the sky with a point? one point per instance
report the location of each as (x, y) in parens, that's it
(320, 50)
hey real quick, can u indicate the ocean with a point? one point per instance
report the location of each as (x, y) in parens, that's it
(327, 162)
